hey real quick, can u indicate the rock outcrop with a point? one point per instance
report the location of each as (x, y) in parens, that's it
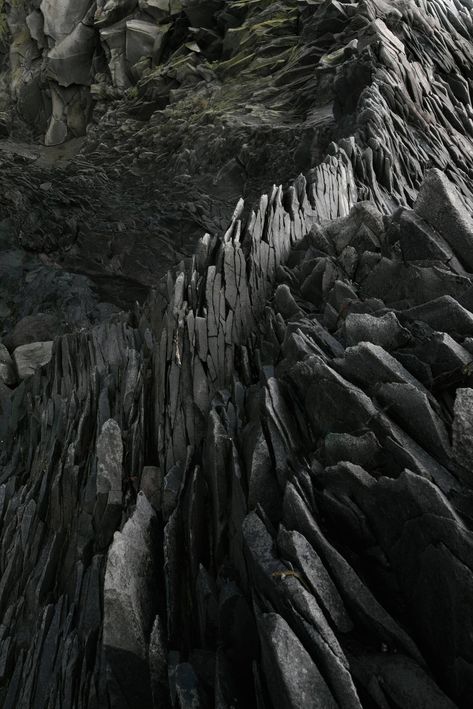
(248, 483)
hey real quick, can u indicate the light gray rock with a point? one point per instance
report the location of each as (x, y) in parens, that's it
(295, 548)
(151, 485)
(109, 458)
(369, 365)
(462, 428)
(108, 507)
(293, 678)
(384, 331)
(114, 41)
(412, 408)
(57, 128)
(113, 10)
(129, 603)
(441, 206)
(62, 16)
(140, 39)
(35, 24)
(419, 241)
(70, 61)
(7, 368)
(28, 358)
(362, 229)
(443, 314)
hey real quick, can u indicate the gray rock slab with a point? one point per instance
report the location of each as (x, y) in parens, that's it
(440, 205)
(444, 314)
(292, 676)
(28, 358)
(462, 428)
(384, 331)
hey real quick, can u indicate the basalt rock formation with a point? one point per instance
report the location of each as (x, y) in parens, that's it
(248, 482)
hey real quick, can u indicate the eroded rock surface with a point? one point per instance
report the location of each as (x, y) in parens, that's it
(248, 483)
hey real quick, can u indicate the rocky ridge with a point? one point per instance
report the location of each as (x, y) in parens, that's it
(199, 128)
(254, 490)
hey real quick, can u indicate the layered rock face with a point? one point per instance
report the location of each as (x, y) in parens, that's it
(59, 48)
(251, 487)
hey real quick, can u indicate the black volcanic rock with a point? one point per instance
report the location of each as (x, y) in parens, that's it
(246, 483)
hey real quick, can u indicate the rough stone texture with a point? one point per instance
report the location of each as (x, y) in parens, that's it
(28, 358)
(250, 468)
(7, 369)
(462, 431)
(439, 204)
(384, 331)
(128, 606)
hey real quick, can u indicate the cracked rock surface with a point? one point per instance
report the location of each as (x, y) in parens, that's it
(248, 482)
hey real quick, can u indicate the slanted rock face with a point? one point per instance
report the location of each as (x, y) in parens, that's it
(61, 17)
(129, 605)
(28, 358)
(462, 428)
(7, 369)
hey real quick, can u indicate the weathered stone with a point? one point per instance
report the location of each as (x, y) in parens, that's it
(140, 40)
(462, 428)
(444, 313)
(7, 369)
(440, 205)
(412, 408)
(419, 241)
(69, 62)
(60, 18)
(129, 604)
(384, 331)
(28, 358)
(370, 365)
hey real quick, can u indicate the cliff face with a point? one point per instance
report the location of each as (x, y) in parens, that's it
(248, 484)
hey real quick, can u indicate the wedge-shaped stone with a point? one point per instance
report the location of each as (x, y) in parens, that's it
(444, 314)
(28, 358)
(384, 331)
(441, 206)
(293, 678)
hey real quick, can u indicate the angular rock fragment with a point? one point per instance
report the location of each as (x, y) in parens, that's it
(440, 205)
(421, 242)
(293, 677)
(361, 450)
(129, 605)
(462, 429)
(384, 331)
(7, 369)
(28, 358)
(444, 313)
